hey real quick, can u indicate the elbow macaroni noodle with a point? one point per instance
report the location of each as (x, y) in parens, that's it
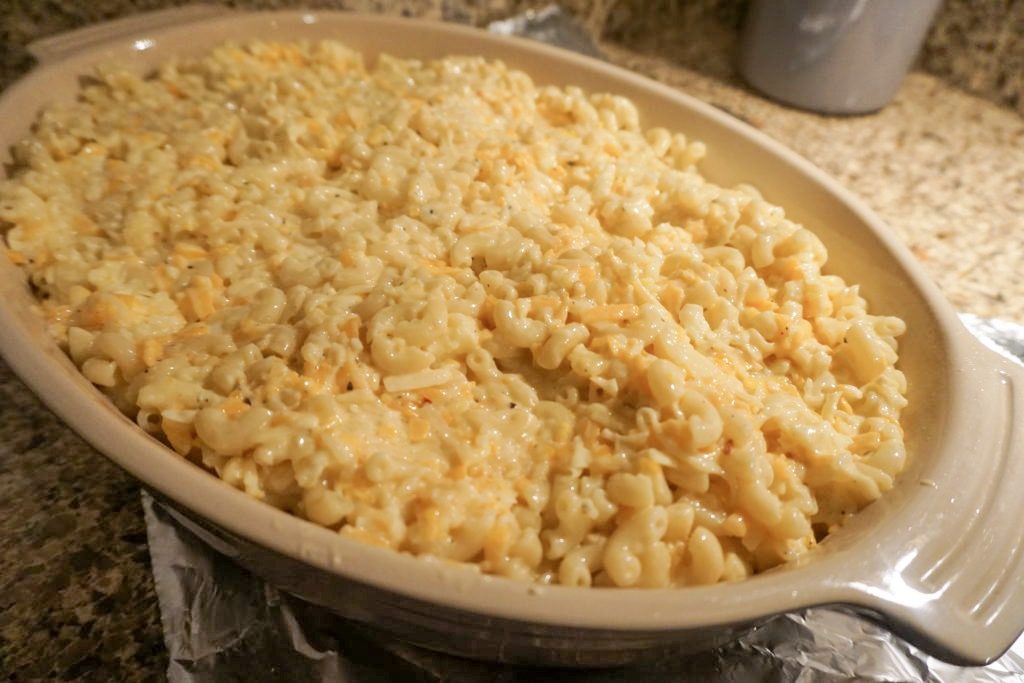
(442, 310)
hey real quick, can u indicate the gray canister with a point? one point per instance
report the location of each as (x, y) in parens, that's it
(833, 56)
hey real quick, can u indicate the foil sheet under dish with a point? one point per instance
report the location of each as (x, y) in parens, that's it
(221, 623)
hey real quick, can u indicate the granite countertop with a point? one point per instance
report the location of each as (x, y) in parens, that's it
(944, 169)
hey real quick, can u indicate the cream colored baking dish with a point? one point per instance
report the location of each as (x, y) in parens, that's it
(937, 560)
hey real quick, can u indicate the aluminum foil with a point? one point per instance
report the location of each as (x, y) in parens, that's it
(549, 25)
(221, 623)
(1002, 336)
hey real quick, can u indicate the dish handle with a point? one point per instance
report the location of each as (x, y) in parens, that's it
(959, 592)
(58, 47)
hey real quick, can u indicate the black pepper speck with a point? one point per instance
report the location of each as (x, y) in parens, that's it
(76, 592)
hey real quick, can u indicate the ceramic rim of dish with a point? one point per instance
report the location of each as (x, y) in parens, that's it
(905, 559)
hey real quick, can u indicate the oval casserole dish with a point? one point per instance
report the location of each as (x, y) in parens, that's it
(938, 559)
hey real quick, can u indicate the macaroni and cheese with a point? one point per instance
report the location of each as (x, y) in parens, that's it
(442, 310)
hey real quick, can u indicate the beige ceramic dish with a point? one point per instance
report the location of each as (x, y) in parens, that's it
(938, 559)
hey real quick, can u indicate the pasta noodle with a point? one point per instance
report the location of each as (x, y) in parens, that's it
(442, 310)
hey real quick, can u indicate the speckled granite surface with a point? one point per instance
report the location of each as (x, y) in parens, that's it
(943, 168)
(76, 594)
(975, 45)
(979, 46)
